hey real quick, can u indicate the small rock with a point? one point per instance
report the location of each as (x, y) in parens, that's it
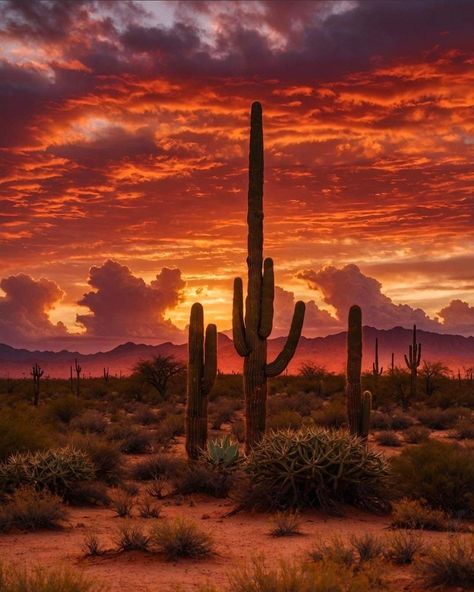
(205, 517)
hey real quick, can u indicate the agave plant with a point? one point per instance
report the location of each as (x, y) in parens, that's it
(223, 453)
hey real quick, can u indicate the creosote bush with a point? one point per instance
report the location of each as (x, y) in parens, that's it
(442, 474)
(122, 503)
(14, 579)
(29, 509)
(388, 438)
(181, 538)
(416, 434)
(402, 547)
(449, 564)
(20, 431)
(131, 537)
(286, 524)
(162, 465)
(414, 515)
(314, 467)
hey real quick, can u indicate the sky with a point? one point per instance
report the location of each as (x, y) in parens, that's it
(123, 164)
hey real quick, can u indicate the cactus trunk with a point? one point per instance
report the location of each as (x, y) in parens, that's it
(202, 369)
(250, 334)
(354, 364)
(413, 361)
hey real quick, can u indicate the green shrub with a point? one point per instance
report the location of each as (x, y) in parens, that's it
(181, 538)
(14, 579)
(314, 467)
(451, 564)
(64, 409)
(29, 509)
(414, 515)
(21, 431)
(440, 473)
(105, 457)
(57, 470)
(89, 422)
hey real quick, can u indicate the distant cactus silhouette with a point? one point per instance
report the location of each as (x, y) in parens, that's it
(250, 334)
(358, 405)
(78, 370)
(36, 373)
(413, 361)
(106, 374)
(202, 370)
(376, 370)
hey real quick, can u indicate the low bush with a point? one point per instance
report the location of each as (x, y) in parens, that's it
(332, 415)
(148, 508)
(21, 431)
(145, 416)
(89, 422)
(222, 411)
(161, 465)
(238, 430)
(368, 546)
(464, 429)
(283, 420)
(335, 550)
(91, 545)
(58, 470)
(122, 503)
(201, 478)
(438, 472)
(442, 419)
(105, 457)
(402, 547)
(451, 564)
(181, 538)
(416, 434)
(388, 438)
(131, 537)
(136, 442)
(28, 509)
(380, 420)
(286, 524)
(14, 579)
(414, 515)
(63, 409)
(88, 493)
(402, 421)
(314, 467)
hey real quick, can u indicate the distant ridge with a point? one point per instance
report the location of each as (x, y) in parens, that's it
(454, 351)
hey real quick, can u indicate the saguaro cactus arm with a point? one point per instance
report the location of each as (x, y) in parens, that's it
(210, 359)
(284, 357)
(238, 326)
(268, 295)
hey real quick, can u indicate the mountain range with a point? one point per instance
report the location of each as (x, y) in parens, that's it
(455, 351)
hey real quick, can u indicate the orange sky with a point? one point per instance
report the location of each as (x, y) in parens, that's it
(124, 138)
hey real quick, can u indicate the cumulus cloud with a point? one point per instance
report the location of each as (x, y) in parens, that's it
(317, 322)
(341, 288)
(24, 310)
(124, 306)
(458, 317)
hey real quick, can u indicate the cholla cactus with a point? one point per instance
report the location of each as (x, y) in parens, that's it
(250, 333)
(202, 370)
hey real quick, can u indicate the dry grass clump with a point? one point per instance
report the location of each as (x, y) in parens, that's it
(416, 434)
(402, 547)
(414, 515)
(92, 546)
(388, 438)
(148, 508)
(122, 503)
(450, 564)
(181, 538)
(161, 465)
(286, 524)
(335, 550)
(29, 509)
(131, 537)
(368, 546)
(14, 579)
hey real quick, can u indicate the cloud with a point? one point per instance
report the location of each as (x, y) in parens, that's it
(458, 317)
(341, 288)
(317, 322)
(24, 310)
(124, 306)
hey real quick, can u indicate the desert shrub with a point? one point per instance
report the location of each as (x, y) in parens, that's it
(58, 470)
(451, 564)
(181, 538)
(238, 430)
(326, 576)
(332, 415)
(380, 420)
(122, 503)
(91, 546)
(334, 550)
(89, 422)
(63, 409)
(314, 467)
(414, 515)
(388, 438)
(145, 416)
(202, 478)
(367, 545)
(402, 547)
(440, 473)
(161, 465)
(157, 487)
(286, 524)
(148, 508)
(20, 431)
(416, 434)
(284, 419)
(131, 537)
(29, 509)
(88, 493)
(441, 419)
(136, 442)
(222, 411)
(105, 457)
(174, 423)
(402, 421)
(14, 579)
(464, 429)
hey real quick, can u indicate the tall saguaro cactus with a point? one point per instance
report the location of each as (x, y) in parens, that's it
(78, 369)
(250, 334)
(202, 370)
(413, 361)
(36, 373)
(376, 370)
(358, 405)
